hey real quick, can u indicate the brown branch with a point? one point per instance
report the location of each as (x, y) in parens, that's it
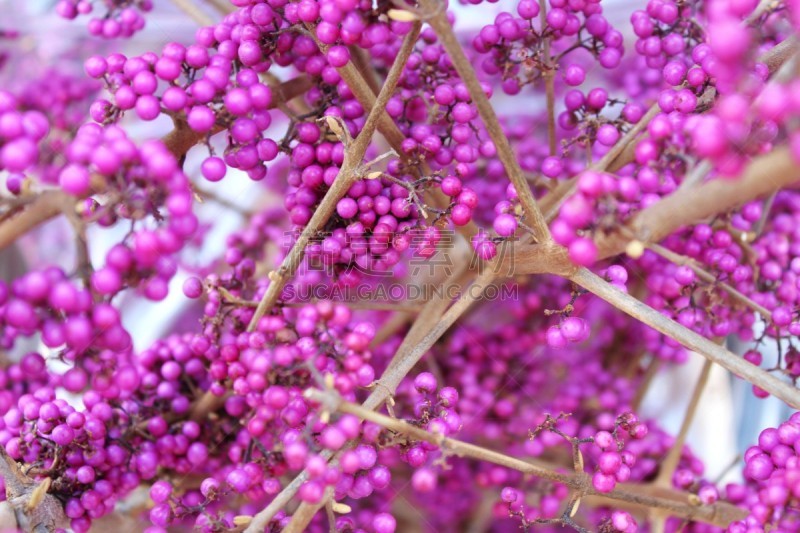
(303, 516)
(83, 261)
(223, 6)
(437, 18)
(697, 174)
(649, 374)
(348, 174)
(394, 324)
(332, 402)
(760, 9)
(47, 205)
(776, 56)
(261, 520)
(482, 517)
(195, 13)
(670, 462)
(201, 195)
(34, 509)
(549, 81)
(676, 503)
(765, 174)
(678, 259)
(403, 364)
(361, 61)
(388, 128)
(432, 311)
(552, 202)
(688, 338)
(329, 512)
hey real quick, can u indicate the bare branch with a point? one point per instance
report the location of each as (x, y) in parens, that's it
(688, 338)
(676, 503)
(348, 174)
(765, 174)
(678, 259)
(670, 462)
(47, 205)
(552, 202)
(361, 88)
(549, 81)
(195, 13)
(438, 21)
(34, 509)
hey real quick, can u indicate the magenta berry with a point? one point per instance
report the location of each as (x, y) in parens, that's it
(225, 251)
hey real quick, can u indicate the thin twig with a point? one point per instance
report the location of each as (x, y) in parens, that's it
(437, 18)
(670, 462)
(697, 174)
(688, 338)
(392, 376)
(332, 402)
(195, 13)
(432, 311)
(552, 202)
(678, 259)
(329, 512)
(649, 374)
(260, 521)
(389, 129)
(361, 62)
(764, 175)
(203, 194)
(391, 326)
(548, 73)
(674, 502)
(760, 9)
(348, 174)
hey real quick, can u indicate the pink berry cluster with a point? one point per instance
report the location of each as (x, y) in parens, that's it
(21, 130)
(49, 304)
(220, 418)
(142, 182)
(570, 26)
(38, 119)
(771, 481)
(675, 290)
(664, 30)
(122, 18)
(613, 464)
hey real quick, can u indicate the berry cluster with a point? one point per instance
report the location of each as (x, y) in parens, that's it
(257, 396)
(122, 18)
(771, 476)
